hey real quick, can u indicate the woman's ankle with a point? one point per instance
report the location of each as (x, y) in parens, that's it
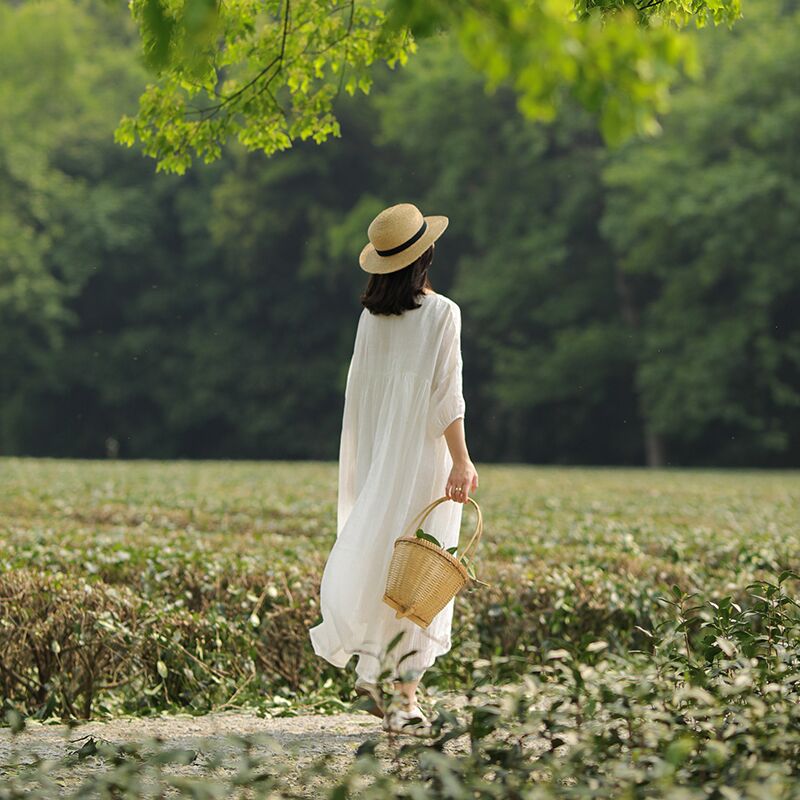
(405, 702)
(407, 694)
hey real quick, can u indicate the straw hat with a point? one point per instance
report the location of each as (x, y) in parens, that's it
(398, 236)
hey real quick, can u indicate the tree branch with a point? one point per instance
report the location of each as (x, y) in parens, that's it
(212, 111)
(344, 58)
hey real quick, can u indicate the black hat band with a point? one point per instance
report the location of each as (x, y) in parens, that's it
(399, 249)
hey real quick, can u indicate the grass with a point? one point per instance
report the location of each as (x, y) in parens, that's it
(192, 584)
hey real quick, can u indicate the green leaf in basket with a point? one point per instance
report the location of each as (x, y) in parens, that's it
(427, 537)
(452, 550)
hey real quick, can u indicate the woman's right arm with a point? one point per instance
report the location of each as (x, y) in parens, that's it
(449, 410)
(463, 476)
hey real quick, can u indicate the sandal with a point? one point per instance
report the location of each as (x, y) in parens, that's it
(412, 723)
(373, 692)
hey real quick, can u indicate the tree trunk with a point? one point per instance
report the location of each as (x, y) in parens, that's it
(654, 447)
(654, 443)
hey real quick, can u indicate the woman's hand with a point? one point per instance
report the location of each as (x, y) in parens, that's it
(463, 480)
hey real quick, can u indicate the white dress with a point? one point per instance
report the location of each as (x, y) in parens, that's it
(404, 387)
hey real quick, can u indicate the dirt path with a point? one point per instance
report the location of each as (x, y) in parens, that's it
(295, 741)
(308, 735)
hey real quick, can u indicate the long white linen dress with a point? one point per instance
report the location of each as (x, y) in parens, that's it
(404, 387)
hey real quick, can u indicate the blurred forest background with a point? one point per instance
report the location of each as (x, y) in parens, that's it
(633, 306)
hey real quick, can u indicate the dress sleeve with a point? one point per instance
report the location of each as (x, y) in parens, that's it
(447, 398)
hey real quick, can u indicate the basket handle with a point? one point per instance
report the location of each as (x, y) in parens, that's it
(476, 536)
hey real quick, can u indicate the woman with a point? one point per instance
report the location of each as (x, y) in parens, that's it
(402, 446)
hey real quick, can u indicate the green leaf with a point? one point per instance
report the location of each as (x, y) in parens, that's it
(420, 534)
(394, 642)
(679, 750)
(726, 645)
(405, 656)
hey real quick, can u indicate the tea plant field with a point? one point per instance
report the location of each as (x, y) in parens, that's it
(134, 587)
(640, 637)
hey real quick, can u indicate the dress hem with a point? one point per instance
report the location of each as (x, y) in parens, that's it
(339, 657)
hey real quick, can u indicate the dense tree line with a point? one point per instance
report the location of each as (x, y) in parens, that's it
(619, 307)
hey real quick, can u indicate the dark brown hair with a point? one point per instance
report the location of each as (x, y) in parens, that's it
(398, 291)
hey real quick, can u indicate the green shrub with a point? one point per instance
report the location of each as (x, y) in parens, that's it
(209, 573)
(711, 711)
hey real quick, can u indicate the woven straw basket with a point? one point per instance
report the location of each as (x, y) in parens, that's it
(423, 578)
